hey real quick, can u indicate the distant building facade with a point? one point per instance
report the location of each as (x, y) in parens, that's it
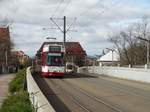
(110, 58)
(74, 52)
(19, 57)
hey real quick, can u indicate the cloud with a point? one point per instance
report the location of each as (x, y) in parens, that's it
(95, 20)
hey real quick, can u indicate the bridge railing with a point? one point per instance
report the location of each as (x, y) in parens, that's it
(137, 74)
(37, 98)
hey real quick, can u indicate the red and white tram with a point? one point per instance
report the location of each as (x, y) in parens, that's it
(52, 60)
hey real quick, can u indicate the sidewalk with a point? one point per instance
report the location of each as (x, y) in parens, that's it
(4, 81)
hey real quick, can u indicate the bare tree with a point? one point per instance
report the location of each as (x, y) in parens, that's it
(131, 49)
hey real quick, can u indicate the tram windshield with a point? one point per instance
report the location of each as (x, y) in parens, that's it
(54, 61)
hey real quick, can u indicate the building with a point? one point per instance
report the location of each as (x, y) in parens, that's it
(91, 60)
(19, 57)
(110, 58)
(5, 47)
(74, 52)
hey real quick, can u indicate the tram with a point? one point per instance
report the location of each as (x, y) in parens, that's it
(52, 61)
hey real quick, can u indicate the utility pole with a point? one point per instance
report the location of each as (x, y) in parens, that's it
(148, 41)
(6, 56)
(64, 31)
(148, 44)
(112, 50)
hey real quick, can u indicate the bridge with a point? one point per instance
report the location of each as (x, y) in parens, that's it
(90, 90)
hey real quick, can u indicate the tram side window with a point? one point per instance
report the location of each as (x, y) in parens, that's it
(48, 60)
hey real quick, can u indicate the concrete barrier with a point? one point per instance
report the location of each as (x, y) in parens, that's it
(136, 74)
(37, 98)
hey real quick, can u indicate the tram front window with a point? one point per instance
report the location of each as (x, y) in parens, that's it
(54, 61)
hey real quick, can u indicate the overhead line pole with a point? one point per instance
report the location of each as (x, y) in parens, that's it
(64, 41)
(64, 30)
(112, 50)
(148, 49)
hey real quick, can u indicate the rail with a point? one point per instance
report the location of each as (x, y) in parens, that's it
(136, 74)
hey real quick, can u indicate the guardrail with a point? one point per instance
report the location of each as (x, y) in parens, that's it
(37, 98)
(136, 74)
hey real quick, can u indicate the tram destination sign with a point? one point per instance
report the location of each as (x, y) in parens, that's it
(54, 48)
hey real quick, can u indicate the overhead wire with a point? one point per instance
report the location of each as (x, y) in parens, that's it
(58, 5)
(90, 8)
(56, 9)
(65, 7)
(101, 12)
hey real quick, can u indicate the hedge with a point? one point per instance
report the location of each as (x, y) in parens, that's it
(18, 101)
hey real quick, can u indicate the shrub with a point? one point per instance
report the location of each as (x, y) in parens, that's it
(17, 103)
(17, 84)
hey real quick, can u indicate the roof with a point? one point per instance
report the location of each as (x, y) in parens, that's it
(109, 57)
(71, 47)
(18, 53)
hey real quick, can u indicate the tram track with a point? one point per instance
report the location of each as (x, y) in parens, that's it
(91, 94)
(92, 97)
(95, 98)
(123, 88)
(123, 96)
(71, 97)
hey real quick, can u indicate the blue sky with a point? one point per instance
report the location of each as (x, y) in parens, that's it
(95, 21)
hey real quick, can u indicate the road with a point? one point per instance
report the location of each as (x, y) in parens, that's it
(90, 93)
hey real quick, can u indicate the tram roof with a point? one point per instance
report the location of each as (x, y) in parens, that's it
(71, 47)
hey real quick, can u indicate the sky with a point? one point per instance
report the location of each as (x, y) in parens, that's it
(93, 21)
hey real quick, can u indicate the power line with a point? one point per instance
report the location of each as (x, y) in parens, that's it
(102, 12)
(91, 7)
(102, 5)
(67, 4)
(59, 4)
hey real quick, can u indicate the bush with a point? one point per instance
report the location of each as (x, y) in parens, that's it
(17, 84)
(17, 103)
(19, 99)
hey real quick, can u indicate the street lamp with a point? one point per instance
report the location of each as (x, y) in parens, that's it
(112, 50)
(148, 50)
(6, 57)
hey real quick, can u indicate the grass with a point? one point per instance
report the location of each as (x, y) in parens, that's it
(18, 101)
(17, 84)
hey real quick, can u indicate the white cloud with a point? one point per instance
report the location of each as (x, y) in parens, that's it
(95, 19)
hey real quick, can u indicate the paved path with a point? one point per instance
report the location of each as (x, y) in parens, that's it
(4, 81)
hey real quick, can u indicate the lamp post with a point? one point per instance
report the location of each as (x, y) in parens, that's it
(6, 57)
(112, 50)
(148, 50)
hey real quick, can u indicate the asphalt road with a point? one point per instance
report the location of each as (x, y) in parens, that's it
(86, 93)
